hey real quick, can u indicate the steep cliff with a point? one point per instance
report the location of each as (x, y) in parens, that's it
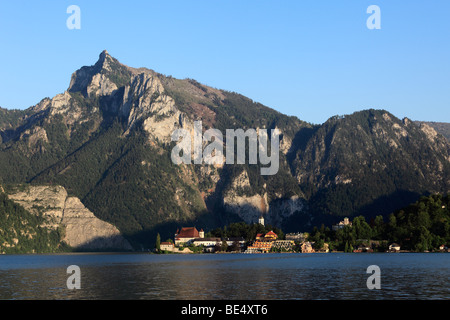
(81, 229)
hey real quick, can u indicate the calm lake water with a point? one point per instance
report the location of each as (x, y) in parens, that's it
(226, 276)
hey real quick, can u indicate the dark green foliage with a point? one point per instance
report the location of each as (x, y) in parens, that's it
(120, 179)
(424, 225)
(10, 119)
(421, 226)
(242, 229)
(370, 163)
(82, 169)
(22, 232)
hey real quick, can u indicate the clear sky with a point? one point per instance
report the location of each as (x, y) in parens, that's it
(312, 59)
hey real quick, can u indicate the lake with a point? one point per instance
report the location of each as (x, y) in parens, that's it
(328, 276)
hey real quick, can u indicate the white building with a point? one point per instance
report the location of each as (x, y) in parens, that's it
(206, 242)
(231, 241)
(296, 236)
(187, 235)
(261, 220)
(166, 246)
(394, 247)
(341, 224)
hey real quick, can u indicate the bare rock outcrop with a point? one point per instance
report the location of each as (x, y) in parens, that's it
(240, 201)
(83, 230)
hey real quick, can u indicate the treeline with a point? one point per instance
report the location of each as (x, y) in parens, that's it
(246, 231)
(421, 226)
(23, 232)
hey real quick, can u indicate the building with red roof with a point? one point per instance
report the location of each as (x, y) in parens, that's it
(186, 235)
(270, 236)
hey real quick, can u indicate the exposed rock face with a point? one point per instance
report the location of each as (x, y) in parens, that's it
(82, 229)
(100, 86)
(94, 80)
(282, 209)
(249, 208)
(145, 99)
(442, 128)
(50, 200)
(429, 131)
(239, 199)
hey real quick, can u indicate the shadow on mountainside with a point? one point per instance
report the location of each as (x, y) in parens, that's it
(383, 205)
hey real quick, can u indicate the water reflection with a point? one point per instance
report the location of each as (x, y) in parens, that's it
(226, 277)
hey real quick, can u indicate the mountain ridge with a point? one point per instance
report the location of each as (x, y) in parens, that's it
(107, 141)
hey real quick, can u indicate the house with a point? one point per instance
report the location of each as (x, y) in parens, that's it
(307, 247)
(270, 236)
(283, 244)
(186, 235)
(342, 224)
(259, 236)
(231, 241)
(251, 249)
(263, 242)
(206, 242)
(394, 247)
(166, 246)
(300, 237)
(363, 247)
(325, 248)
(443, 247)
(261, 246)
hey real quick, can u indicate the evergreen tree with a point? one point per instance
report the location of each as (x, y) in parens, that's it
(158, 242)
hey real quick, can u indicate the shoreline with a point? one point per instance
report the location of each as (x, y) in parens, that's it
(202, 253)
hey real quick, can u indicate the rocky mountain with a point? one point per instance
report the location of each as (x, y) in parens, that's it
(82, 230)
(370, 162)
(440, 127)
(107, 141)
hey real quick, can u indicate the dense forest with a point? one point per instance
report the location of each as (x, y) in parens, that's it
(246, 231)
(421, 226)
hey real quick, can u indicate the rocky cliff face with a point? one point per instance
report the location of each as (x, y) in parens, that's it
(440, 127)
(358, 160)
(82, 229)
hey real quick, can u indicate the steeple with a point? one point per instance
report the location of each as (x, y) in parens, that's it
(261, 220)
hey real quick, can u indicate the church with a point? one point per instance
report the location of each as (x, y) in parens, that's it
(188, 234)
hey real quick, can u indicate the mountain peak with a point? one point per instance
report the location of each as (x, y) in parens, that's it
(104, 59)
(106, 66)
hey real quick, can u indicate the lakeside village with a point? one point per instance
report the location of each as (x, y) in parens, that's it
(190, 240)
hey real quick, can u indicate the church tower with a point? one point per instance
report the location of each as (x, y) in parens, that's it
(261, 220)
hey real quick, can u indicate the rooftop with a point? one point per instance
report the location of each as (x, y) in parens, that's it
(190, 232)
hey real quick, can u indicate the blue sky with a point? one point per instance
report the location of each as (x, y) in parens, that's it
(312, 59)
